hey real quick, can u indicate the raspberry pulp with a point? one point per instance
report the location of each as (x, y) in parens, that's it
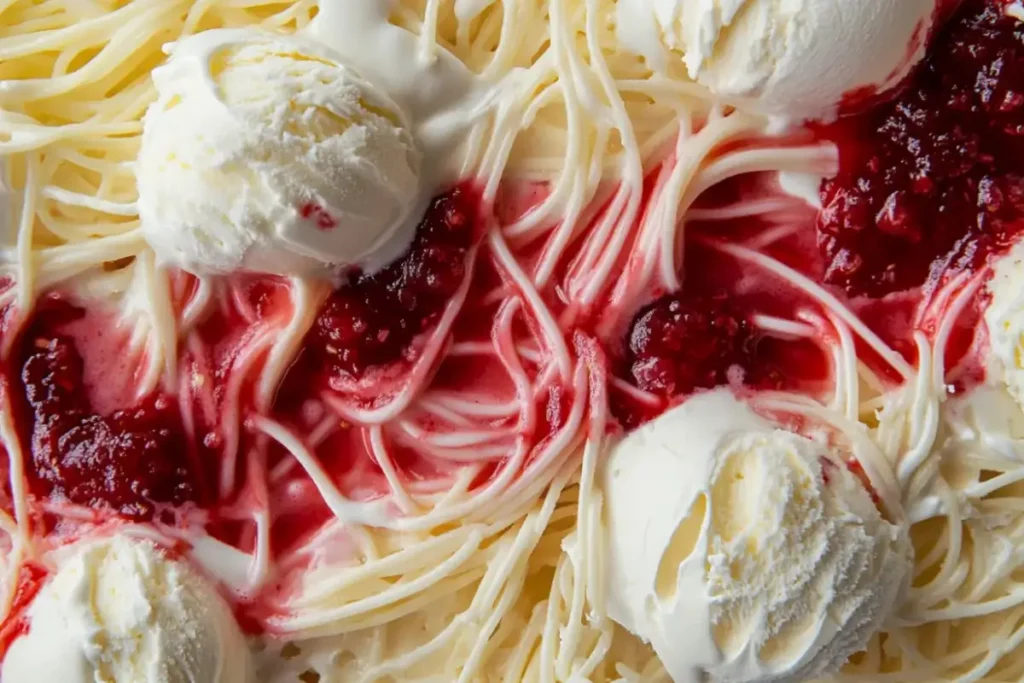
(680, 344)
(130, 462)
(933, 181)
(373, 319)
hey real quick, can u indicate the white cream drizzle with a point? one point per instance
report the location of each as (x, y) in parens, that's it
(441, 96)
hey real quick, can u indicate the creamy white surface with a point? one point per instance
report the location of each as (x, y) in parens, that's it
(249, 128)
(803, 186)
(440, 95)
(791, 58)
(734, 558)
(119, 611)
(283, 128)
(1004, 319)
(8, 229)
(986, 422)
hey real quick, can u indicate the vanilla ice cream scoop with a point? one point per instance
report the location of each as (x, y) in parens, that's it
(743, 552)
(792, 58)
(1004, 320)
(263, 153)
(120, 611)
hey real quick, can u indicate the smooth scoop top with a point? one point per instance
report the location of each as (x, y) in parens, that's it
(264, 153)
(743, 552)
(791, 58)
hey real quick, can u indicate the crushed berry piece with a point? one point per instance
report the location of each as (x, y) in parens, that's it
(373, 319)
(680, 344)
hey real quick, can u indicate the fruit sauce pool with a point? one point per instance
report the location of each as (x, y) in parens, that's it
(930, 187)
(932, 181)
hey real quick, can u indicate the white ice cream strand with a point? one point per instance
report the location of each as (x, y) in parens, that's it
(509, 470)
(466, 619)
(844, 360)
(382, 456)
(909, 418)
(963, 584)
(525, 499)
(16, 461)
(949, 489)
(630, 175)
(349, 512)
(306, 299)
(826, 299)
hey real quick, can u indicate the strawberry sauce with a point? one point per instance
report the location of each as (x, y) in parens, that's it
(372, 320)
(130, 461)
(932, 182)
(930, 187)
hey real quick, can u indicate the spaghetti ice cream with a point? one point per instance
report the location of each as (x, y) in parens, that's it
(120, 611)
(537, 240)
(743, 552)
(264, 153)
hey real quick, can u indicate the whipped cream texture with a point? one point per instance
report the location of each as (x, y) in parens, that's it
(743, 552)
(120, 611)
(790, 58)
(264, 153)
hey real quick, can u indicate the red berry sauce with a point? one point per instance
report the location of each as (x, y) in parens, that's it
(932, 182)
(318, 215)
(132, 461)
(682, 343)
(710, 332)
(373, 319)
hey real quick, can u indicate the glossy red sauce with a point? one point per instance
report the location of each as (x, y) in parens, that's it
(372, 320)
(930, 185)
(131, 461)
(932, 182)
